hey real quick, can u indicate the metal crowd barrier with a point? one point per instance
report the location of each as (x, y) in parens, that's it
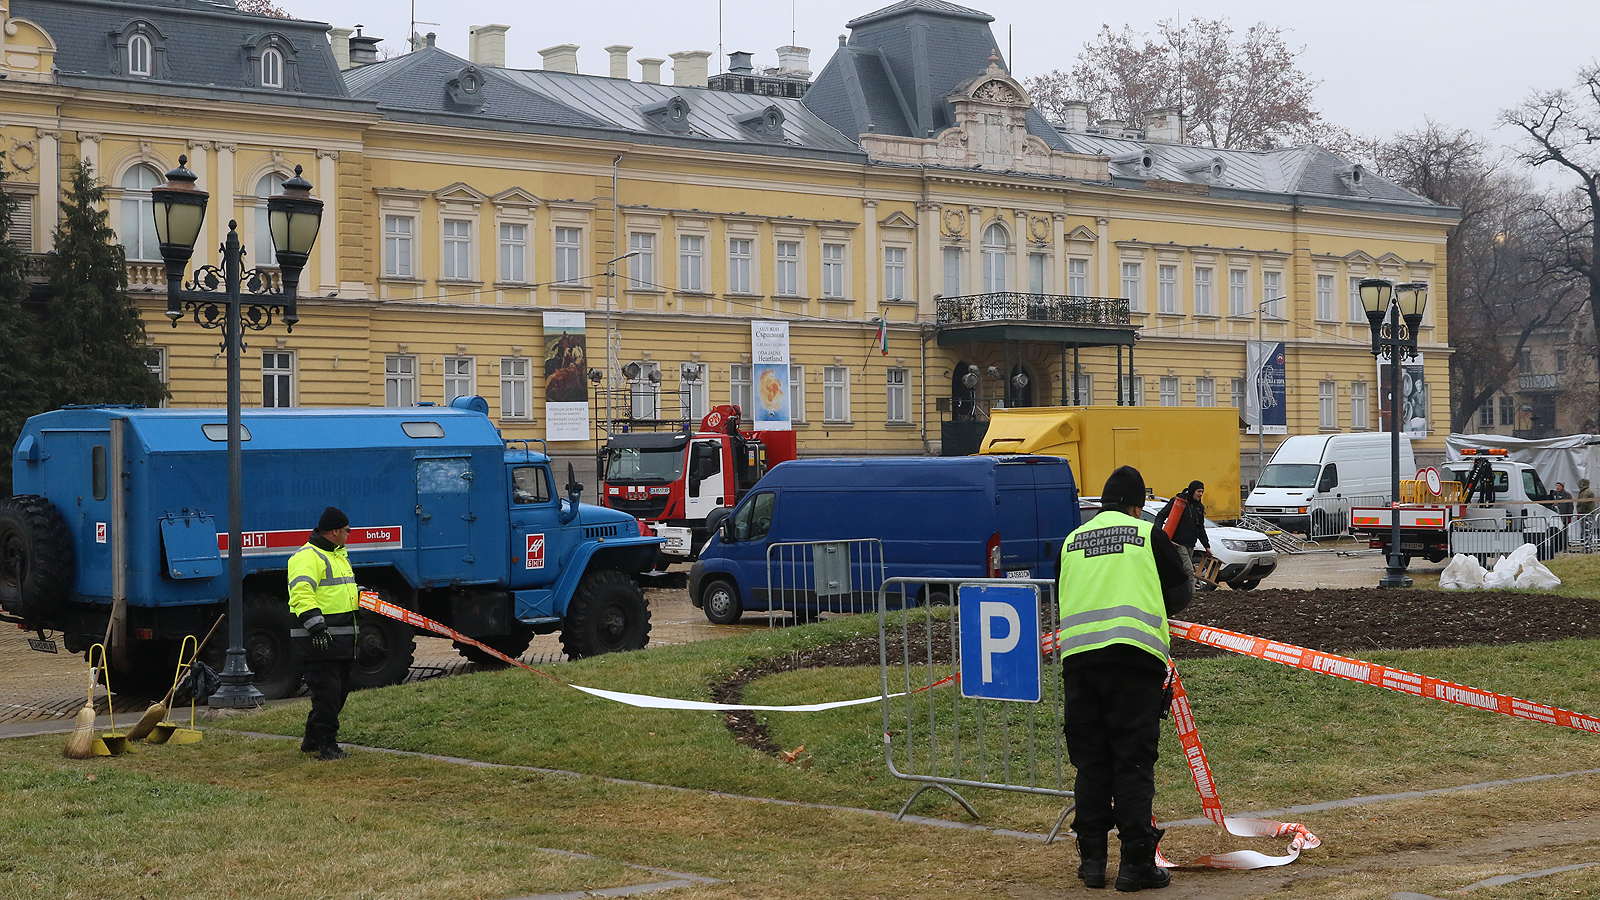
(1486, 538)
(1331, 517)
(943, 740)
(1282, 541)
(808, 577)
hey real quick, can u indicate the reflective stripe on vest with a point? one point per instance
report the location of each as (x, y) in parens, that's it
(1110, 592)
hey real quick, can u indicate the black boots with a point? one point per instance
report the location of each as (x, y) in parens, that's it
(331, 751)
(1092, 865)
(1138, 869)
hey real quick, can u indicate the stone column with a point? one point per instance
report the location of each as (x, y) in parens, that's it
(222, 195)
(1102, 246)
(89, 151)
(928, 258)
(210, 238)
(873, 253)
(1058, 251)
(49, 190)
(1017, 278)
(327, 190)
(972, 277)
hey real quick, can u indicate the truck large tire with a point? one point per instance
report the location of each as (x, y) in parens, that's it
(607, 614)
(36, 563)
(267, 620)
(151, 667)
(385, 648)
(513, 645)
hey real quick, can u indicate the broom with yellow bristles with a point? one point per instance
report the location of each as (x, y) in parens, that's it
(158, 709)
(80, 744)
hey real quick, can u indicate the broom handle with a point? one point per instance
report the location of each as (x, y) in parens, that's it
(167, 700)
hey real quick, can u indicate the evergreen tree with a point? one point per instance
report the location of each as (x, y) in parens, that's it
(94, 341)
(21, 393)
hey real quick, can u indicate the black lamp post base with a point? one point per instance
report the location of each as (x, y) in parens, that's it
(1396, 577)
(237, 690)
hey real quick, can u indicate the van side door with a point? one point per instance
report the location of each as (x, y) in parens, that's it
(745, 552)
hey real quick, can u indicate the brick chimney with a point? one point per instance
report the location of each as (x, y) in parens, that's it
(619, 60)
(560, 58)
(689, 68)
(486, 45)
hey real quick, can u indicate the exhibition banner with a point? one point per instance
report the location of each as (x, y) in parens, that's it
(769, 376)
(566, 389)
(1413, 396)
(1265, 388)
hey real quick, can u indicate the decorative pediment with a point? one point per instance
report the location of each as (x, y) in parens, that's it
(1082, 233)
(1360, 256)
(994, 88)
(898, 220)
(515, 197)
(1392, 259)
(460, 192)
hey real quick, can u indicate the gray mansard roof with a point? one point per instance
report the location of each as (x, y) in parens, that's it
(899, 67)
(196, 45)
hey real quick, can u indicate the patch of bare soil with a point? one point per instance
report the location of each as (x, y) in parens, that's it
(1333, 620)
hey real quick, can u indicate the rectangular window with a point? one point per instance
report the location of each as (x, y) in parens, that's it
(797, 393)
(1239, 292)
(397, 236)
(1508, 410)
(1358, 313)
(568, 247)
(739, 258)
(1205, 392)
(692, 379)
(455, 260)
(896, 397)
(1202, 291)
(1561, 360)
(1325, 298)
(644, 395)
(1169, 390)
(691, 263)
(514, 387)
(835, 394)
(1167, 289)
(1078, 277)
(272, 69)
(1236, 393)
(1486, 413)
(1132, 286)
(786, 272)
(460, 378)
(1272, 294)
(739, 387)
(833, 270)
(894, 273)
(1135, 385)
(952, 271)
(277, 378)
(1036, 270)
(1359, 415)
(642, 268)
(1083, 388)
(156, 361)
(1327, 405)
(513, 253)
(399, 381)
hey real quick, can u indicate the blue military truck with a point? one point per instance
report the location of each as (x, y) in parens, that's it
(119, 523)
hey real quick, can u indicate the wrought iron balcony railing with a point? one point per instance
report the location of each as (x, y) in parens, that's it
(1014, 306)
(1545, 382)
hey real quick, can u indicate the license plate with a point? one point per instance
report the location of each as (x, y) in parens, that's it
(1019, 573)
(42, 646)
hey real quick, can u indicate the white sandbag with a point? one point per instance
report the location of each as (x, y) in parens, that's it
(1534, 575)
(1525, 554)
(1462, 574)
(1504, 574)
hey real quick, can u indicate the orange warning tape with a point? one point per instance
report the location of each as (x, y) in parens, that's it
(369, 601)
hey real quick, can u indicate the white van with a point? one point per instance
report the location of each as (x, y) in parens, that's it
(1312, 478)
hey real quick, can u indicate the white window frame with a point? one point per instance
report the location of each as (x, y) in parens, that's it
(1360, 407)
(697, 390)
(1239, 292)
(568, 256)
(1077, 277)
(1137, 383)
(836, 394)
(1272, 294)
(459, 372)
(894, 273)
(516, 385)
(786, 268)
(513, 253)
(642, 268)
(951, 258)
(138, 225)
(1133, 285)
(455, 250)
(895, 381)
(1327, 404)
(400, 380)
(1486, 414)
(1204, 290)
(996, 250)
(1325, 298)
(1236, 393)
(1083, 388)
(835, 270)
(692, 263)
(1167, 289)
(1168, 390)
(266, 186)
(1358, 311)
(272, 68)
(141, 56)
(741, 263)
(280, 375)
(1038, 273)
(399, 246)
(1205, 392)
(644, 395)
(739, 385)
(797, 394)
(156, 362)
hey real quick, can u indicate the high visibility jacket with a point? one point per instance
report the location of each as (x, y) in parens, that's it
(1110, 591)
(321, 583)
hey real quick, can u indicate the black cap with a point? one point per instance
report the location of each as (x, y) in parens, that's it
(332, 520)
(1125, 487)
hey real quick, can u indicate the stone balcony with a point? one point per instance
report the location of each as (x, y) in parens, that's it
(1549, 381)
(1011, 306)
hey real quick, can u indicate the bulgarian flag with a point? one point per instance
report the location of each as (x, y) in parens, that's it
(883, 336)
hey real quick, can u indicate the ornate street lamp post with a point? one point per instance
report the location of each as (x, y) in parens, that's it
(213, 295)
(1383, 300)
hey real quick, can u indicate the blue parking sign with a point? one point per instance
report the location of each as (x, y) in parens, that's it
(1000, 652)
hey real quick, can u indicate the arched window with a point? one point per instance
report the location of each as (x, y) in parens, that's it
(138, 227)
(139, 55)
(994, 259)
(263, 252)
(272, 69)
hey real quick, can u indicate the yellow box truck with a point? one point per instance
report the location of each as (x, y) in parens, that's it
(1169, 446)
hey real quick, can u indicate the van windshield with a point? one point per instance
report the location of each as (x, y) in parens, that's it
(1285, 475)
(635, 465)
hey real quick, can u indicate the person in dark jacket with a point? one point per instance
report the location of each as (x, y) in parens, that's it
(1120, 577)
(1190, 526)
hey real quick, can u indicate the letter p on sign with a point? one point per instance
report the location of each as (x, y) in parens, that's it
(1001, 658)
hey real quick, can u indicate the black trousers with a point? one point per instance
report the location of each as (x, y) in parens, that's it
(329, 681)
(1113, 729)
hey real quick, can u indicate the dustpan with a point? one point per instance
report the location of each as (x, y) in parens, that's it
(113, 742)
(170, 732)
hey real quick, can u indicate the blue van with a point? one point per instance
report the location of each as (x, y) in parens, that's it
(935, 517)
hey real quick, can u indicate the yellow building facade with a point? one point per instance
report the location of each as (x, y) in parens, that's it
(456, 218)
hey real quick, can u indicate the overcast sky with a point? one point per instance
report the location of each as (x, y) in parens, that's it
(1384, 66)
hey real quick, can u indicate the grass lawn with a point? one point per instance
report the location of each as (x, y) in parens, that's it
(157, 822)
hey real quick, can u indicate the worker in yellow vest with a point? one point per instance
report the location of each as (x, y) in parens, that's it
(323, 596)
(1120, 579)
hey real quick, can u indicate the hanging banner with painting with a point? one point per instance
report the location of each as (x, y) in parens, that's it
(769, 376)
(1265, 388)
(566, 389)
(1413, 396)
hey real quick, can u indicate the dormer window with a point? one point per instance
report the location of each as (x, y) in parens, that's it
(272, 69)
(139, 56)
